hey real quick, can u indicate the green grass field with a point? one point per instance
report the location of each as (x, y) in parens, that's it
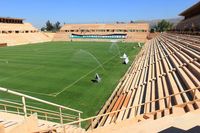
(61, 72)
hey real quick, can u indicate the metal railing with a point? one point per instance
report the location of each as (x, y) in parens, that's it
(74, 118)
(95, 120)
(59, 114)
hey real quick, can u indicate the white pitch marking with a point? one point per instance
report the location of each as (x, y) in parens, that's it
(50, 95)
(64, 89)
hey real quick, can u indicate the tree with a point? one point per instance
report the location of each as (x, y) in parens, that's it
(131, 21)
(43, 29)
(164, 26)
(152, 30)
(57, 26)
(118, 22)
(49, 26)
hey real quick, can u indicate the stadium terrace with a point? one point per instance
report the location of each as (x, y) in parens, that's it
(132, 32)
(101, 78)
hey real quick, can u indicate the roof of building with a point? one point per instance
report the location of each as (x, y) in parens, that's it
(11, 18)
(106, 26)
(192, 10)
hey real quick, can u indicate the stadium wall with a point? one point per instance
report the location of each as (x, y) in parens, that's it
(135, 32)
(13, 31)
(191, 19)
(3, 44)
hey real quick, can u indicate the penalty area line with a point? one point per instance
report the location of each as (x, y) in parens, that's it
(64, 89)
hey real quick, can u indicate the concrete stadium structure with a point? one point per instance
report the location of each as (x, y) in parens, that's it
(13, 31)
(191, 19)
(161, 86)
(130, 32)
(160, 92)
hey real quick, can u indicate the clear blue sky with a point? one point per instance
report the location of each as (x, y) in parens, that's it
(91, 11)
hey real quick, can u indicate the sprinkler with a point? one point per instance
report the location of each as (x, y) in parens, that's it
(97, 78)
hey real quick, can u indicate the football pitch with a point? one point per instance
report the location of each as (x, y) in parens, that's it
(61, 72)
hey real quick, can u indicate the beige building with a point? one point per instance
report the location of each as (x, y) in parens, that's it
(15, 25)
(13, 31)
(130, 32)
(191, 21)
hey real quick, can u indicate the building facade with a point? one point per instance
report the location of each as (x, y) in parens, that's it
(15, 25)
(13, 31)
(191, 21)
(132, 32)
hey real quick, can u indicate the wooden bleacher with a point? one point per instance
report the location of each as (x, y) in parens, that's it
(188, 123)
(155, 84)
(164, 80)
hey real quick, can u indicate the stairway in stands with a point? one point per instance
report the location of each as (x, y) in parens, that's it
(23, 38)
(21, 117)
(61, 36)
(11, 123)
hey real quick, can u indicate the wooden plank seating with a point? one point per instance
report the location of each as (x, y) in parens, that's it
(168, 64)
